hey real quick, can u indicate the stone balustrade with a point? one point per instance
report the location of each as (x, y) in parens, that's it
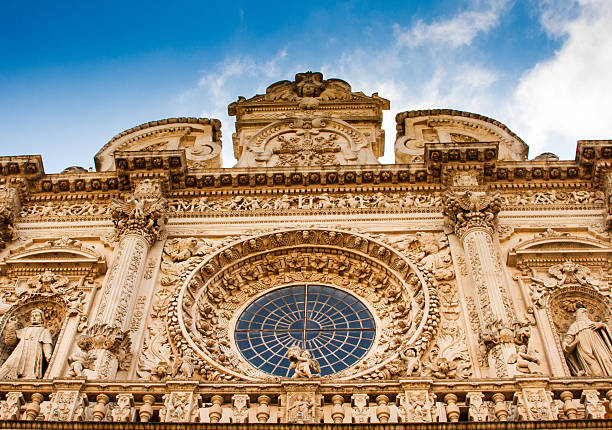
(310, 401)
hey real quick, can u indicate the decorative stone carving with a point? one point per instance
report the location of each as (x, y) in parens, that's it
(123, 411)
(214, 292)
(301, 407)
(66, 405)
(449, 358)
(417, 128)
(139, 216)
(304, 366)
(240, 408)
(562, 275)
(10, 409)
(588, 346)
(307, 140)
(109, 347)
(471, 209)
(594, 408)
(180, 407)
(416, 406)
(535, 404)
(34, 348)
(361, 408)
(478, 410)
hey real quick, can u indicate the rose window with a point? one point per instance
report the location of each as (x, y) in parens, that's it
(333, 325)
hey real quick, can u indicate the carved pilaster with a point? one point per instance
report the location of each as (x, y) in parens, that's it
(66, 405)
(301, 403)
(535, 404)
(10, 409)
(138, 221)
(472, 216)
(417, 406)
(478, 410)
(9, 206)
(608, 191)
(124, 411)
(181, 404)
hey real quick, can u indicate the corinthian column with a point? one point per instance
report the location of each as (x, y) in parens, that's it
(472, 214)
(138, 220)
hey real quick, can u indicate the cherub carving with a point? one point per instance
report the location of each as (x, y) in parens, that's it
(305, 367)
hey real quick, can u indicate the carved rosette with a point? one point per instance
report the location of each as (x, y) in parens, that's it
(199, 319)
(471, 210)
(139, 216)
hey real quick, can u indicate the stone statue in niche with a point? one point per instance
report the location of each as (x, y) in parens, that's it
(588, 346)
(34, 347)
(305, 367)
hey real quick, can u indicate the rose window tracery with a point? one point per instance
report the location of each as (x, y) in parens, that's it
(217, 287)
(334, 326)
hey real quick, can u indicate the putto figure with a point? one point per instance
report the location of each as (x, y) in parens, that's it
(305, 367)
(35, 345)
(588, 346)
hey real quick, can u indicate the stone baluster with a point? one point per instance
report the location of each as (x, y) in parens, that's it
(263, 410)
(382, 410)
(216, 411)
(593, 407)
(472, 214)
(500, 407)
(138, 220)
(570, 407)
(100, 409)
(452, 410)
(10, 409)
(146, 410)
(33, 408)
(337, 411)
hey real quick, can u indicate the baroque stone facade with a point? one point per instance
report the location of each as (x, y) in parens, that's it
(309, 283)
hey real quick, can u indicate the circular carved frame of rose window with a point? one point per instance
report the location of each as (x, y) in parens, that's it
(397, 291)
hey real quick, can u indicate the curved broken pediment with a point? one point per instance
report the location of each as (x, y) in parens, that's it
(417, 128)
(559, 246)
(64, 256)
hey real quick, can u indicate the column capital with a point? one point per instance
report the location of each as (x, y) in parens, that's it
(471, 210)
(139, 216)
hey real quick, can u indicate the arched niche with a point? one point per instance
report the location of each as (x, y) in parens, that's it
(561, 306)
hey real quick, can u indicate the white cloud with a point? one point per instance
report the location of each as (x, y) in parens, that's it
(568, 97)
(454, 32)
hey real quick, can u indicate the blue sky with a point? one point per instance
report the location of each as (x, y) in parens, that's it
(73, 74)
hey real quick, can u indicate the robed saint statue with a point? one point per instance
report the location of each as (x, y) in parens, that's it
(588, 346)
(35, 345)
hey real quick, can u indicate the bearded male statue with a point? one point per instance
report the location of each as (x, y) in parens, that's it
(588, 346)
(35, 345)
